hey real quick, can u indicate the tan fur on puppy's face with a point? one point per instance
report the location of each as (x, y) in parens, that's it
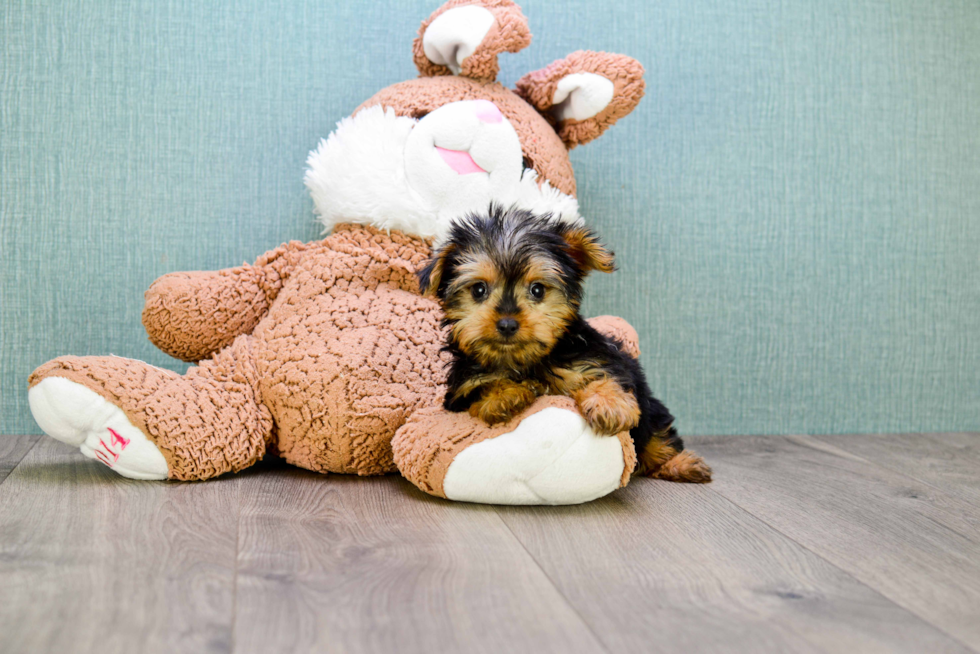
(509, 293)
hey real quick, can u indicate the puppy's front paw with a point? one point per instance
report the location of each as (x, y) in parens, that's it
(502, 401)
(607, 407)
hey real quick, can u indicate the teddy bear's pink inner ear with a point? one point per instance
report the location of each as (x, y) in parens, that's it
(464, 37)
(584, 93)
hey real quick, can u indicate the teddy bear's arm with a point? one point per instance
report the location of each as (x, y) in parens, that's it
(192, 315)
(622, 331)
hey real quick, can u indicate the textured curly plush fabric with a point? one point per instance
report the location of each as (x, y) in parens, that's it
(346, 350)
(349, 350)
(621, 330)
(194, 314)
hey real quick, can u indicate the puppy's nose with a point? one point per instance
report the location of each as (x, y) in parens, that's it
(487, 111)
(507, 326)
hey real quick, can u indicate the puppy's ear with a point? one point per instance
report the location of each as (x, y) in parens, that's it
(430, 277)
(588, 252)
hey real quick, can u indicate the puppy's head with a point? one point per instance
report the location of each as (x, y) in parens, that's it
(510, 282)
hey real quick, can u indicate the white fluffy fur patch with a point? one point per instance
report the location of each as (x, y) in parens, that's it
(358, 175)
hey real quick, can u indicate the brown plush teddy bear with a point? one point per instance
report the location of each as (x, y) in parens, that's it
(324, 353)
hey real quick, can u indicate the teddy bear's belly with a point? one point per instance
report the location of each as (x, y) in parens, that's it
(340, 375)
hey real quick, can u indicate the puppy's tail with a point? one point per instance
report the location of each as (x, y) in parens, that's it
(664, 457)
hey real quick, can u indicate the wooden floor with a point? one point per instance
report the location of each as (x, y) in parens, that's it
(833, 544)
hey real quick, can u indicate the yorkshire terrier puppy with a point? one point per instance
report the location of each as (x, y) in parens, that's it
(510, 285)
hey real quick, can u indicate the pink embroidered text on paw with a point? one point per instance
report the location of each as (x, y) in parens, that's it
(104, 451)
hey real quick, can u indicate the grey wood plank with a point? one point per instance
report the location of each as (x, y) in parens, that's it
(12, 450)
(92, 562)
(950, 462)
(915, 544)
(661, 567)
(346, 564)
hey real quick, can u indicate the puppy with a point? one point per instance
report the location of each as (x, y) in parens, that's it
(510, 285)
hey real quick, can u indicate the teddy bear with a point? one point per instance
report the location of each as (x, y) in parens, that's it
(325, 354)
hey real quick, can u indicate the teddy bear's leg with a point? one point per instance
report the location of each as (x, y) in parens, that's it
(546, 455)
(148, 423)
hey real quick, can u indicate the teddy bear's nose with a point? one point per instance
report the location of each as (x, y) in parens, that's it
(487, 111)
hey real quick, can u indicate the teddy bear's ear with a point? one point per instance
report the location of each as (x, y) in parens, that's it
(584, 93)
(464, 37)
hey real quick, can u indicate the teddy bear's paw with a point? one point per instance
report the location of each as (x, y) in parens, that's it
(77, 416)
(551, 457)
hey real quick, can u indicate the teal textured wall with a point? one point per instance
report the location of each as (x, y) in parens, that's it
(795, 204)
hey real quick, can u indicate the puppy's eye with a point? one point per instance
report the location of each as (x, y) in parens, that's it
(537, 291)
(479, 291)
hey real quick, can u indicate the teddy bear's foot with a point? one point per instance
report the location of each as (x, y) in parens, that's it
(75, 415)
(547, 455)
(551, 457)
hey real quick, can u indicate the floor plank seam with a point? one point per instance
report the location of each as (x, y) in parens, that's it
(890, 468)
(846, 573)
(37, 439)
(812, 442)
(553, 584)
(234, 578)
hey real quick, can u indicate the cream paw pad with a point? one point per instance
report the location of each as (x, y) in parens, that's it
(552, 457)
(77, 416)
